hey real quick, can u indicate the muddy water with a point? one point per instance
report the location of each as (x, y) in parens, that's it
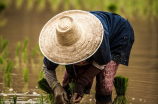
(142, 70)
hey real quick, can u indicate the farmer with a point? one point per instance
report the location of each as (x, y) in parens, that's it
(90, 44)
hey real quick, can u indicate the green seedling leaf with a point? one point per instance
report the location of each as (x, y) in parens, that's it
(9, 67)
(7, 79)
(25, 74)
(18, 48)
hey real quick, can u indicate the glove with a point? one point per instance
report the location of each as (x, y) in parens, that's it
(83, 81)
(60, 94)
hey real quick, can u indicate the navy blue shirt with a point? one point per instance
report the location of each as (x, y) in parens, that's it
(117, 40)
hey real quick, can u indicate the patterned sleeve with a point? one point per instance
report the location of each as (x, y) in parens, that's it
(49, 71)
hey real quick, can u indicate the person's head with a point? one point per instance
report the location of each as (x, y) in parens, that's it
(71, 37)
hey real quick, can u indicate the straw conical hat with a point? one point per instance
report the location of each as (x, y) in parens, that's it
(70, 37)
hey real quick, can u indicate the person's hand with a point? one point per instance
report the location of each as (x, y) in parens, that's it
(75, 99)
(60, 95)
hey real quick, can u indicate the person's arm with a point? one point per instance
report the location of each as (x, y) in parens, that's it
(84, 80)
(50, 75)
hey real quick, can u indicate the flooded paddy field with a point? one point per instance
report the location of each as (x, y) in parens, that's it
(21, 24)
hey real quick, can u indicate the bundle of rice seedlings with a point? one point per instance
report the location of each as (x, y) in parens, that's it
(120, 83)
(44, 86)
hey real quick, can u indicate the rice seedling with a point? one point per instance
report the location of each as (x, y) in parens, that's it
(54, 4)
(2, 100)
(50, 98)
(19, 3)
(41, 99)
(41, 5)
(7, 79)
(33, 52)
(25, 44)
(112, 7)
(41, 74)
(71, 87)
(9, 67)
(6, 53)
(1, 60)
(15, 99)
(30, 4)
(18, 48)
(4, 44)
(120, 83)
(25, 75)
(25, 55)
(2, 6)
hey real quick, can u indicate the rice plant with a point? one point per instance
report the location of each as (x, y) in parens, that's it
(7, 79)
(33, 52)
(4, 44)
(1, 60)
(25, 55)
(18, 48)
(41, 74)
(19, 3)
(25, 43)
(5, 55)
(15, 99)
(50, 98)
(71, 87)
(25, 75)
(120, 83)
(9, 67)
(2, 6)
(2, 100)
(112, 7)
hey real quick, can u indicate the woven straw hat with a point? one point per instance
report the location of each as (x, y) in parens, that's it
(71, 36)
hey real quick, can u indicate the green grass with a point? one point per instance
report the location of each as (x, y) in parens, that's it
(25, 75)
(18, 48)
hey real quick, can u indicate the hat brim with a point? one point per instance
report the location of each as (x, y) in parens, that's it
(82, 49)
